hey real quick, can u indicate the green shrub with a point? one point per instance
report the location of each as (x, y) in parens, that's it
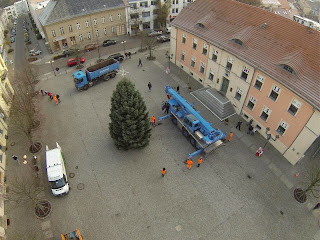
(5, 33)
(38, 36)
(10, 50)
(36, 30)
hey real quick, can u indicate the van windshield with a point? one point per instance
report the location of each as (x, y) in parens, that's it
(58, 183)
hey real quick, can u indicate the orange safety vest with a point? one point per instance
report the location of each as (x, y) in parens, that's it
(189, 162)
(153, 119)
(200, 160)
(163, 171)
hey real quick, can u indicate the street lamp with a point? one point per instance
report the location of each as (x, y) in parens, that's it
(26, 162)
(124, 47)
(269, 137)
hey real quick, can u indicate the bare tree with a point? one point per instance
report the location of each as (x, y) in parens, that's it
(162, 12)
(151, 44)
(143, 36)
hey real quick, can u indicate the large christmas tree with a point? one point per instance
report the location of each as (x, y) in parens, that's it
(129, 126)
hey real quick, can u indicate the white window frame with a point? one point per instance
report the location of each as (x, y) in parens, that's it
(193, 59)
(202, 65)
(283, 125)
(183, 53)
(275, 89)
(205, 47)
(267, 111)
(119, 16)
(87, 23)
(70, 28)
(238, 93)
(297, 104)
(89, 35)
(260, 79)
(253, 100)
(103, 20)
(95, 21)
(211, 72)
(215, 53)
(111, 18)
(78, 26)
(105, 31)
(246, 71)
(80, 37)
(194, 43)
(112, 29)
(97, 33)
(53, 33)
(184, 38)
(61, 30)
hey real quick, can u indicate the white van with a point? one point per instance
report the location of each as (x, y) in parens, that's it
(168, 30)
(56, 171)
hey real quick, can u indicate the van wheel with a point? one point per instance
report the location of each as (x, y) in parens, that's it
(106, 78)
(185, 133)
(85, 87)
(113, 75)
(174, 120)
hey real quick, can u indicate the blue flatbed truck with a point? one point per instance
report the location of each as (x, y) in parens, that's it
(101, 71)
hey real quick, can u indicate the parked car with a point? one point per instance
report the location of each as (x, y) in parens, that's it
(117, 56)
(90, 47)
(69, 52)
(163, 39)
(12, 39)
(73, 61)
(154, 33)
(34, 52)
(109, 42)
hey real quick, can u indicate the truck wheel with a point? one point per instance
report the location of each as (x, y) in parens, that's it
(193, 142)
(113, 75)
(185, 133)
(85, 87)
(106, 78)
(175, 121)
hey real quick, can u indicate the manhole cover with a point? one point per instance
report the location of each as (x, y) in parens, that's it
(80, 186)
(13, 143)
(71, 175)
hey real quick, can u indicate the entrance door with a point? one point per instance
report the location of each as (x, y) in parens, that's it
(225, 85)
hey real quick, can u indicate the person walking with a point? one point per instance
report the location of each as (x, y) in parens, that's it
(55, 99)
(178, 88)
(140, 63)
(189, 163)
(58, 98)
(199, 161)
(250, 122)
(230, 136)
(42, 92)
(14, 157)
(153, 121)
(50, 95)
(149, 86)
(239, 124)
(167, 107)
(163, 172)
(250, 129)
(129, 55)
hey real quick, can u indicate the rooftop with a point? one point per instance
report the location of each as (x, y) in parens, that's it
(269, 42)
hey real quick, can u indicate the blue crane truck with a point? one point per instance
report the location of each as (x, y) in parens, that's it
(101, 71)
(196, 129)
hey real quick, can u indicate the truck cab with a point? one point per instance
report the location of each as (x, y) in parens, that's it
(191, 122)
(56, 171)
(80, 79)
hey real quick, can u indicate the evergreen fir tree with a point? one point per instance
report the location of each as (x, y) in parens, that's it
(129, 126)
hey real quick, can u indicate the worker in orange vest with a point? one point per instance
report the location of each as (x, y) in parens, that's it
(153, 121)
(163, 171)
(199, 161)
(189, 163)
(230, 136)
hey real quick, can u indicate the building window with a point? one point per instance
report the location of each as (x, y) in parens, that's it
(205, 49)
(195, 44)
(245, 72)
(214, 56)
(119, 16)
(53, 33)
(146, 14)
(105, 31)
(70, 28)
(238, 94)
(294, 107)
(274, 93)
(184, 38)
(112, 29)
(87, 23)
(177, 2)
(172, 10)
(103, 19)
(80, 37)
(202, 67)
(97, 33)
(211, 75)
(265, 113)
(95, 22)
(89, 35)
(229, 63)
(252, 101)
(111, 18)
(193, 61)
(177, 10)
(78, 26)
(283, 126)
(259, 82)
(61, 31)
(183, 53)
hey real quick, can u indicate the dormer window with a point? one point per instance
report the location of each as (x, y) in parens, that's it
(238, 41)
(288, 69)
(200, 25)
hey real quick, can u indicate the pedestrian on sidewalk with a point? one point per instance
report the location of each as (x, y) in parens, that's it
(163, 172)
(250, 129)
(129, 55)
(199, 161)
(50, 95)
(57, 69)
(250, 122)
(14, 157)
(55, 99)
(239, 124)
(149, 86)
(58, 98)
(230, 136)
(42, 92)
(189, 163)
(140, 63)
(153, 121)
(178, 88)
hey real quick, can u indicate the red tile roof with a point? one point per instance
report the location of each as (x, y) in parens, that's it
(281, 41)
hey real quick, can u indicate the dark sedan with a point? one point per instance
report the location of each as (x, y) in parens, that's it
(163, 39)
(118, 56)
(109, 42)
